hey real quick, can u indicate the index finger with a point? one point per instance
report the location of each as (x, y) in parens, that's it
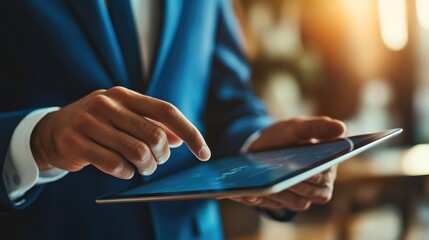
(168, 115)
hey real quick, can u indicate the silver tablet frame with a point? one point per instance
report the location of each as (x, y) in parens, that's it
(278, 187)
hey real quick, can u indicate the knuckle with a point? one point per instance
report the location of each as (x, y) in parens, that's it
(95, 93)
(99, 91)
(117, 169)
(100, 102)
(139, 151)
(170, 111)
(117, 90)
(157, 136)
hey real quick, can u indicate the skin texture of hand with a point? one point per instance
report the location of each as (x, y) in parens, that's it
(115, 130)
(315, 190)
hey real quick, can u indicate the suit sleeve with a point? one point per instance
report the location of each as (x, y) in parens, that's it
(233, 110)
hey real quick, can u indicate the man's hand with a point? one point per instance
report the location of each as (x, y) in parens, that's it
(315, 190)
(113, 130)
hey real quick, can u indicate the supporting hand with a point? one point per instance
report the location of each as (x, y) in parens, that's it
(315, 190)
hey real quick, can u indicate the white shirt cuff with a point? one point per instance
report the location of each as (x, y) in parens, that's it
(20, 172)
(249, 141)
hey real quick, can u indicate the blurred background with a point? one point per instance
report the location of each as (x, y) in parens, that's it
(365, 62)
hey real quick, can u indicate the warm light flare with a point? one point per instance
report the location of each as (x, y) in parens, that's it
(416, 160)
(423, 13)
(393, 23)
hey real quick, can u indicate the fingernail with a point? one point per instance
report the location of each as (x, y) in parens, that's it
(204, 153)
(147, 173)
(162, 161)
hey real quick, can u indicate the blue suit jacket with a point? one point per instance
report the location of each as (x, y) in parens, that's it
(53, 52)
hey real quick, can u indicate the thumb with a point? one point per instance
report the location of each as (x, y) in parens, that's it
(297, 131)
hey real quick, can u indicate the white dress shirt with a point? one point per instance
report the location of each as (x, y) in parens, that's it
(145, 15)
(20, 172)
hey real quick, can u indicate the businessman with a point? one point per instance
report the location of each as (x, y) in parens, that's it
(99, 95)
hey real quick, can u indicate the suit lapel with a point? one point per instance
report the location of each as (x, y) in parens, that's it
(94, 19)
(171, 15)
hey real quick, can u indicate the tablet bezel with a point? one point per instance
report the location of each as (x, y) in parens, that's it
(274, 186)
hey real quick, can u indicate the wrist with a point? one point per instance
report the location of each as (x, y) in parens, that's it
(39, 141)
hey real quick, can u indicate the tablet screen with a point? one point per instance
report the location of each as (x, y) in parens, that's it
(249, 171)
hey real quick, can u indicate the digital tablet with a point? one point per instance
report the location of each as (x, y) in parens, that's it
(251, 174)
